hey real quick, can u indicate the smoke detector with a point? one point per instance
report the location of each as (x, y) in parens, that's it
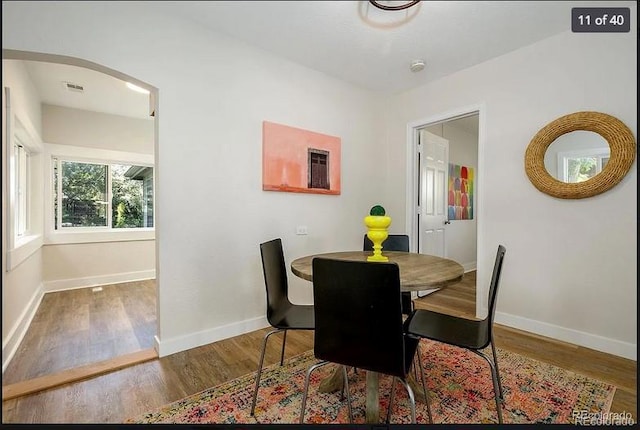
(417, 65)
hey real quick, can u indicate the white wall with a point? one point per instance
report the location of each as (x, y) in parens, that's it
(461, 234)
(22, 281)
(214, 94)
(77, 127)
(85, 264)
(570, 269)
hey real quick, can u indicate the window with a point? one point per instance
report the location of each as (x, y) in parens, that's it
(578, 166)
(318, 169)
(21, 188)
(24, 200)
(24, 195)
(101, 195)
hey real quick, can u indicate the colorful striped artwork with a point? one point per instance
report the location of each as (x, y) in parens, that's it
(460, 205)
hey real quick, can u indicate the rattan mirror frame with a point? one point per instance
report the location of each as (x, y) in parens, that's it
(622, 146)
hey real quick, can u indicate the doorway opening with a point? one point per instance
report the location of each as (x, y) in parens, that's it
(444, 189)
(117, 218)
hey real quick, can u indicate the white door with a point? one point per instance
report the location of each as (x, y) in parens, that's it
(433, 156)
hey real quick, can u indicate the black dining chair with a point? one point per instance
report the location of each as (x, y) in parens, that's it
(394, 242)
(281, 313)
(358, 320)
(472, 335)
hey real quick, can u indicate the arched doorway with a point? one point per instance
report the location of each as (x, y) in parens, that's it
(51, 231)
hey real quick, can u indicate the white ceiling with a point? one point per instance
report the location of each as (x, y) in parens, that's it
(102, 93)
(350, 40)
(356, 42)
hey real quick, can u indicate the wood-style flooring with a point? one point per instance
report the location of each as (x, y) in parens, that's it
(114, 397)
(78, 327)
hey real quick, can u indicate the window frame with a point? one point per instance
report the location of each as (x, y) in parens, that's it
(323, 155)
(21, 172)
(19, 130)
(107, 194)
(564, 156)
(91, 234)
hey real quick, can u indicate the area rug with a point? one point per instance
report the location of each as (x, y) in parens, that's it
(459, 384)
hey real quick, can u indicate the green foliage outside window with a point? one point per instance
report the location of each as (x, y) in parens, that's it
(84, 196)
(581, 169)
(126, 205)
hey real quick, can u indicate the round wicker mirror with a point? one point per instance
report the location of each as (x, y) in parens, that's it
(615, 132)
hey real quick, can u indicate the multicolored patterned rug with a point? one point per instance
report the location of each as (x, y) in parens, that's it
(459, 382)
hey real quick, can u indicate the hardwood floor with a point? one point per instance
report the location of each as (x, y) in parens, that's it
(78, 327)
(114, 397)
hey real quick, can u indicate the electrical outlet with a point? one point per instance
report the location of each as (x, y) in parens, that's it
(301, 229)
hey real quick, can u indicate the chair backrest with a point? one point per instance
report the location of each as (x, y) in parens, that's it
(358, 319)
(395, 242)
(493, 287)
(275, 278)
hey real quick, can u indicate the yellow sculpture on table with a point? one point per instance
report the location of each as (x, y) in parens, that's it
(377, 224)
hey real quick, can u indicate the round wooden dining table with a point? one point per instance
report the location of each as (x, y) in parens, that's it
(417, 272)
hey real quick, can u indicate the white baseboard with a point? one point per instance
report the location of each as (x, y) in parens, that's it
(425, 293)
(204, 337)
(587, 340)
(116, 278)
(18, 331)
(469, 267)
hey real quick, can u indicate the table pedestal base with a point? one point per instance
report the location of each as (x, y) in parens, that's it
(332, 383)
(335, 382)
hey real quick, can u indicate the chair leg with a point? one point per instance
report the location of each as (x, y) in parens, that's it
(393, 390)
(346, 386)
(264, 347)
(306, 388)
(424, 386)
(284, 342)
(412, 400)
(496, 390)
(495, 360)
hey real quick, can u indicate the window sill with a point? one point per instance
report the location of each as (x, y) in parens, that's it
(23, 248)
(97, 236)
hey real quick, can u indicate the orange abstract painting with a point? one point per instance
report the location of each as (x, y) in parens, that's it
(299, 161)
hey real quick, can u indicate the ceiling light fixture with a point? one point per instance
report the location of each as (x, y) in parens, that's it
(389, 5)
(137, 88)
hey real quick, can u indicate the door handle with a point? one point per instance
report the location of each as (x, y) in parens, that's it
(447, 222)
